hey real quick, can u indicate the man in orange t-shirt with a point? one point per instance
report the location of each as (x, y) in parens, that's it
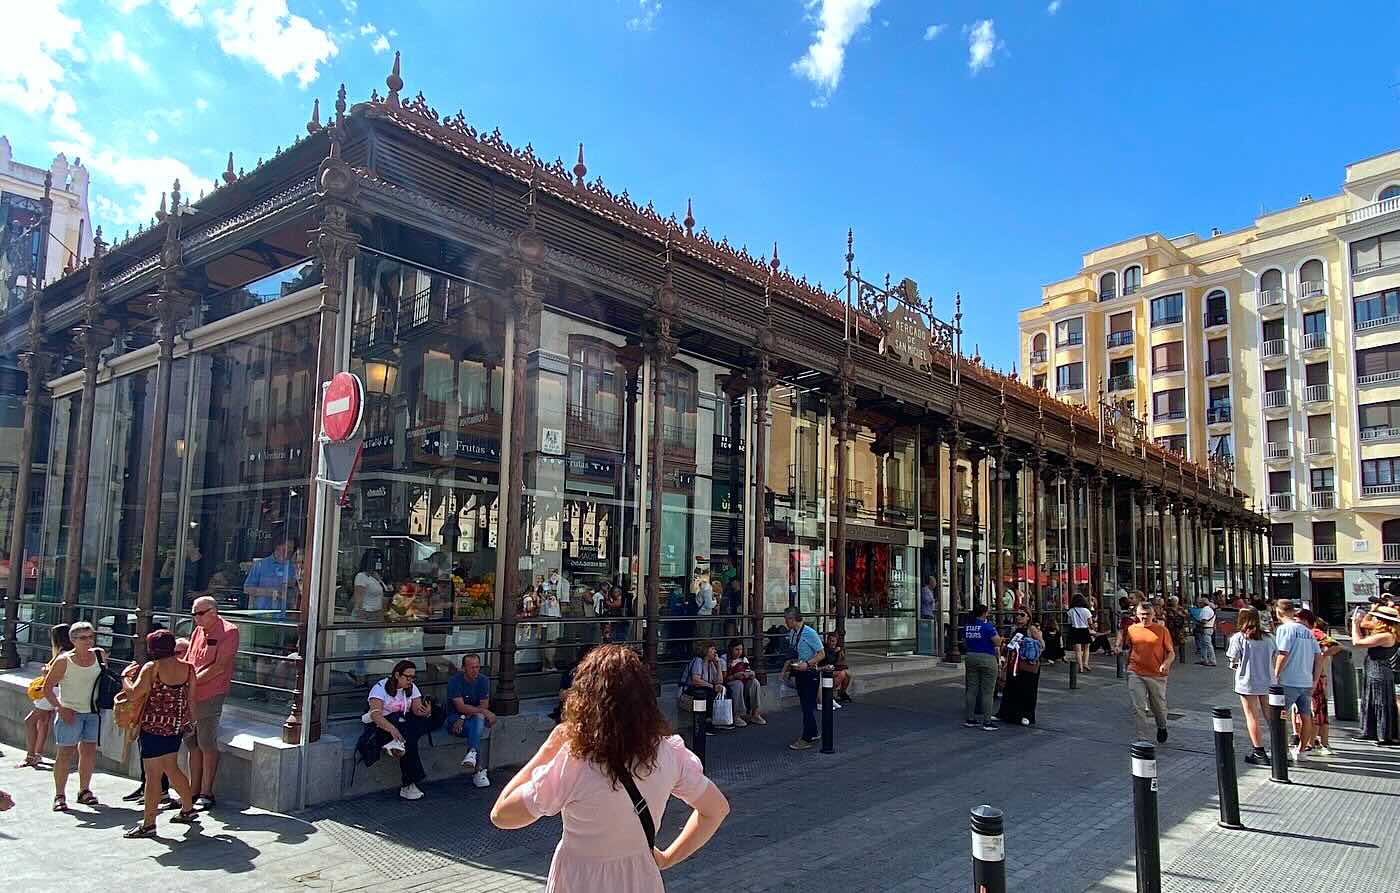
(1150, 656)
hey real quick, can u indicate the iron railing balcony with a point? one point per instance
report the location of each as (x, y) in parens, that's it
(1375, 378)
(1276, 450)
(1275, 399)
(1281, 554)
(1380, 489)
(1378, 434)
(1218, 415)
(1039, 356)
(1315, 341)
(1071, 339)
(1170, 415)
(1319, 446)
(1274, 347)
(1131, 289)
(1168, 368)
(1120, 382)
(1272, 297)
(1390, 552)
(1325, 553)
(1069, 387)
(1217, 365)
(1380, 322)
(1375, 209)
(1213, 318)
(1323, 499)
(900, 502)
(1107, 294)
(1120, 339)
(1317, 393)
(1280, 502)
(1311, 290)
(595, 426)
(1171, 320)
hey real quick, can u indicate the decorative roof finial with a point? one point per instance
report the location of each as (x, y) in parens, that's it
(48, 184)
(315, 123)
(580, 169)
(850, 244)
(340, 104)
(175, 197)
(160, 213)
(689, 220)
(394, 83)
(229, 175)
(774, 264)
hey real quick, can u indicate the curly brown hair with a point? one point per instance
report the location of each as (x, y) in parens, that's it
(611, 713)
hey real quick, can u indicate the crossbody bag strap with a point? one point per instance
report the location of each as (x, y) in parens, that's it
(639, 806)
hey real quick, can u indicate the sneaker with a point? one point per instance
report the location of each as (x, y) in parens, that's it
(1161, 736)
(395, 748)
(1322, 750)
(835, 704)
(971, 724)
(410, 792)
(801, 744)
(739, 722)
(1292, 756)
(1025, 721)
(758, 720)
(204, 802)
(136, 795)
(469, 761)
(480, 779)
(989, 726)
(1257, 758)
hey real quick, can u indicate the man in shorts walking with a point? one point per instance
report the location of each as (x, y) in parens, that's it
(213, 647)
(1296, 667)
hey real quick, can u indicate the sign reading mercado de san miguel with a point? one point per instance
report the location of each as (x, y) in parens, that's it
(907, 334)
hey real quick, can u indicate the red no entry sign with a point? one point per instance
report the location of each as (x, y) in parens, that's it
(341, 406)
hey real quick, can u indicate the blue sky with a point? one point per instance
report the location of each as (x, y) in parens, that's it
(974, 146)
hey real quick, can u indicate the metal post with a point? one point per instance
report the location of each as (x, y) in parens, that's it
(842, 497)
(1145, 828)
(698, 709)
(1035, 530)
(1180, 564)
(998, 539)
(1132, 541)
(1278, 734)
(759, 505)
(988, 851)
(954, 514)
(828, 711)
(1226, 782)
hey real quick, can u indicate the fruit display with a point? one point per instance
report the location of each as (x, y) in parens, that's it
(473, 599)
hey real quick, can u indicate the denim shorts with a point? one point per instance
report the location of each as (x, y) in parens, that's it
(1298, 697)
(84, 728)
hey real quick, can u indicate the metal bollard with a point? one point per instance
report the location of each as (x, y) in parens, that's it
(1145, 828)
(1074, 673)
(988, 851)
(1278, 734)
(698, 709)
(828, 712)
(1226, 781)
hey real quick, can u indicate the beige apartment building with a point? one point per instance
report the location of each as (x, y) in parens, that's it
(1277, 345)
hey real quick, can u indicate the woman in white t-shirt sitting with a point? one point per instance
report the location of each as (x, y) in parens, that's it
(1081, 622)
(400, 717)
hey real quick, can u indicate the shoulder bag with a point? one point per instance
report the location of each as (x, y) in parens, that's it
(639, 806)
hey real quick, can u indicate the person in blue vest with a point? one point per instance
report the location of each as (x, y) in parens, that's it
(806, 647)
(980, 668)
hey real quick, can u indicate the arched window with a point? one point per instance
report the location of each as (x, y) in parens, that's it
(1310, 279)
(1272, 279)
(1108, 286)
(1038, 343)
(595, 393)
(1132, 279)
(1389, 192)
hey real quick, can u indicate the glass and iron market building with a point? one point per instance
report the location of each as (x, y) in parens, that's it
(563, 388)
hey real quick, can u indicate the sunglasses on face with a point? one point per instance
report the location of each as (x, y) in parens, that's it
(85, 637)
(203, 612)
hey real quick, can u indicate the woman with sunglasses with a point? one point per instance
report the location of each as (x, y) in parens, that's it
(400, 717)
(72, 684)
(1022, 654)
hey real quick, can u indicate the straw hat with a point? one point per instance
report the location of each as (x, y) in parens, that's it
(1388, 613)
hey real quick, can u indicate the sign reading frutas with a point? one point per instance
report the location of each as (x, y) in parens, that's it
(342, 406)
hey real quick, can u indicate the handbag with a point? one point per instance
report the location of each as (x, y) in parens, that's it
(104, 691)
(724, 711)
(639, 806)
(35, 691)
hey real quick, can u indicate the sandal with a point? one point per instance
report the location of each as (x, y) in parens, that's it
(29, 760)
(88, 798)
(60, 803)
(186, 817)
(140, 831)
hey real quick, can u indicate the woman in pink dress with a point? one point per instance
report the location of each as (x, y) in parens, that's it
(613, 736)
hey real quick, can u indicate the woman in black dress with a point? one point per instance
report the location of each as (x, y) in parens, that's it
(1379, 633)
(1054, 643)
(1022, 653)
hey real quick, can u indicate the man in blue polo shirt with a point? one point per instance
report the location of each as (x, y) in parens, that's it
(980, 667)
(272, 580)
(1296, 667)
(806, 646)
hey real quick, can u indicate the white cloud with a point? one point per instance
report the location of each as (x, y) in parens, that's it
(380, 45)
(368, 28)
(117, 51)
(839, 21)
(266, 33)
(139, 182)
(31, 78)
(186, 12)
(152, 137)
(201, 103)
(1054, 6)
(982, 44)
(645, 19)
(932, 31)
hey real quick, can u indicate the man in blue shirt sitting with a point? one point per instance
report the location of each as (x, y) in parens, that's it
(469, 713)
(980, 668)
(806, 645)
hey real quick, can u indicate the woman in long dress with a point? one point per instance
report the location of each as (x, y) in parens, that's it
(1022, 654)
(613, 737)
(1379, 633)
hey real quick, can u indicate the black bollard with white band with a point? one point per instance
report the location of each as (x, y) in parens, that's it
(1278, 734)
(828, 712)
(1145, 827)
(1226, 781)
(988, 851)
(1074, 674)
(699, 707)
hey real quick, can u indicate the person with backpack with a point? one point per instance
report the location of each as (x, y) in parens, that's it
(75, 685)
(162, 692)
(1022, 656)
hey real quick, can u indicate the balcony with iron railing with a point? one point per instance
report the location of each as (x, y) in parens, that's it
(899, 503)
(1276, 450)
(1325, 553)
(1169, 415)
(1274, 347)
(1317, 393)
(1120, 382)
(855, 494)
(1280, 502)
(1379, 434)
(1129, 289)
(1171, 319)
(1276, 399)
(1390, 552)
(1319, 446)
(1323, 499)
(1217, 365)
(1309, 290)
(1120, 339)
(1380, 489)
(585, 425)
(1213, 318)
(1379, 322)
(1271, 297)
(1069, 387)
(1107, 294)
(1070, 339)
(1375, 209)
(1039, 356)
(1168, 368)
(678, 441)
(1281, 554)
(1219, 414)
(1377, 378)
(1315, 341)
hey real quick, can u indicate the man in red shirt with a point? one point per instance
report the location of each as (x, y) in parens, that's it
(213, 647)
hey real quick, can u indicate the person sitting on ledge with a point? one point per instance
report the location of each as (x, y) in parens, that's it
(469, 714)
(400, 718)
(840, 672)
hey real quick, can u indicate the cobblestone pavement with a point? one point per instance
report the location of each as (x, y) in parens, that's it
(888, 811)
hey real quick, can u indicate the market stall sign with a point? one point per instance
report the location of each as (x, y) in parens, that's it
(342, 406)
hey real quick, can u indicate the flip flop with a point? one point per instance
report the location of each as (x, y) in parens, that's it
(188, 817)
(60, 803)
(88, 798)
